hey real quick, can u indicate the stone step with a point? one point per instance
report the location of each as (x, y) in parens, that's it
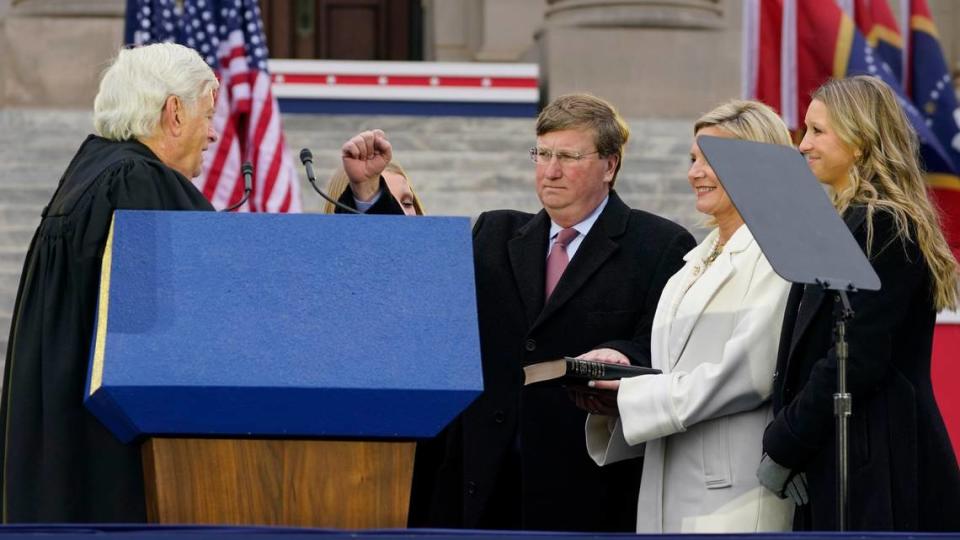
(5, 321)
(448, 145)
(471, 203)
(4, 335)
(637, 161)
(57, 129)
(19, 214)
(9, 282)
(496, 154)
(27, 189)
(8, 253)
(11, 257)
(480, 180)
(26, 194)
(8, 294)
(47, 121)
(16, 235)
(43, 150)
(424, 166)
(494, 160)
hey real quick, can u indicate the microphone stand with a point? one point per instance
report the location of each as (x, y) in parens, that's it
(306, 157)
(247, 170)
(842, 406)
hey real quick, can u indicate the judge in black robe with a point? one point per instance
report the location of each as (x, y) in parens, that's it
(59, 463)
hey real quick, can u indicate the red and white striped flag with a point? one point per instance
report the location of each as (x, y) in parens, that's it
(229, 35)
(762, 30)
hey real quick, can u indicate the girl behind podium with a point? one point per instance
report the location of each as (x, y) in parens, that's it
(903, 472)
(395, 182)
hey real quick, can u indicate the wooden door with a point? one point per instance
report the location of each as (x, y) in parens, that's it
(343, 29)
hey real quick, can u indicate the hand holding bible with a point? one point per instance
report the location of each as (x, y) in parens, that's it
(595, 401)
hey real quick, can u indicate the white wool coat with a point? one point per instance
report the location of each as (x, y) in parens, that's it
(700, 423)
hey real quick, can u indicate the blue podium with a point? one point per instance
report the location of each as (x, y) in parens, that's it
(278, 366)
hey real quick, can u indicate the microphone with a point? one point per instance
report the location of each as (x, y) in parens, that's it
(247, 170)
(306, 157)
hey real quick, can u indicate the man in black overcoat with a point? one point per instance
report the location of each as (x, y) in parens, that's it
(153, 117)
(516, 458)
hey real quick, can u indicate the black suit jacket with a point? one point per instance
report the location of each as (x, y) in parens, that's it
(903, 473)
(606, 298)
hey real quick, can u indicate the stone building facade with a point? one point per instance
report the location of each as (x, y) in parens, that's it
(658, 58)
(661, 62)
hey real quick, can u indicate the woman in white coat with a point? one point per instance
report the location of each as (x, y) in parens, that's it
(715, 337)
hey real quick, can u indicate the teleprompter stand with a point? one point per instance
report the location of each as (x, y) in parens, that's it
(806, 242)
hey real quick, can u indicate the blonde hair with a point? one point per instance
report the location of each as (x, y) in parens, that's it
(135, 87)
(746, 120)
(586, 111)
(886, 174)
(339, 183)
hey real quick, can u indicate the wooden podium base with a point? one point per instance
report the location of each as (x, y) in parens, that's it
(331, 484)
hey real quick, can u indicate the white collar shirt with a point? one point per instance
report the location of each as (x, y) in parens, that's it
(583, 228)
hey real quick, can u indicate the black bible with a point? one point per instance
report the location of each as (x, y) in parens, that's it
(577, 371)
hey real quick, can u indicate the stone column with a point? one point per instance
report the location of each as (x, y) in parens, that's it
(453, 29)
(482, 30)
(53, 52)
(663, 58)
(508, 30)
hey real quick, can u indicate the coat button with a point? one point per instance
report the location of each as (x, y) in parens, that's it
(530, 345)
(499, 416)
(471, 488)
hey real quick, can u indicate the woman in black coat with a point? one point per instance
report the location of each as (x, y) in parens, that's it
(903, 472)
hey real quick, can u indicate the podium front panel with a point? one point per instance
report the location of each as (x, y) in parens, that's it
(334, 326)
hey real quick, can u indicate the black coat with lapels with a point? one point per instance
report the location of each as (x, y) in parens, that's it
(606, 298)
(903, 473)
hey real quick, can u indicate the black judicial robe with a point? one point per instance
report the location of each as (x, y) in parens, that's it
(59, 464)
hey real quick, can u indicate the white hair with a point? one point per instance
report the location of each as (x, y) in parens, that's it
(135, 87)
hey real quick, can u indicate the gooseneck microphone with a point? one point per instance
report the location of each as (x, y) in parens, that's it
(306, 157)
(247, 170)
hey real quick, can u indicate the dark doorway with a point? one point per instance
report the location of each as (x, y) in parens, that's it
(343, 29)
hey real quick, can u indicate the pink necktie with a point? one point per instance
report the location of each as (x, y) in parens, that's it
(557, 260)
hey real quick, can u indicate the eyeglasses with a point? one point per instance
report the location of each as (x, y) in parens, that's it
(542, 156)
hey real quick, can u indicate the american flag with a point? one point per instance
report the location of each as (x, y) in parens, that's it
(229, 35)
